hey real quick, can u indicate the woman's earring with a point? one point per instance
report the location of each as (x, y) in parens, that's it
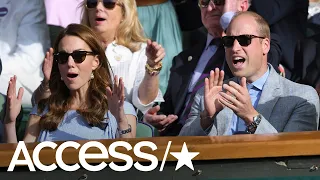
(91, 76)
(61, 78)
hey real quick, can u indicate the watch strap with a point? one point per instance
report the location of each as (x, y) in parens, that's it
(251, 128)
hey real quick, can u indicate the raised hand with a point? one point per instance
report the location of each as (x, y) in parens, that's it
(158, 121)
(212, 87)
(47, 65)
(238, 99)
(13, 103)
(232, 6)
(116, 99)
(155, 53)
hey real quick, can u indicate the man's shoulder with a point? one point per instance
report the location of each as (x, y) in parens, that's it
(290, 88)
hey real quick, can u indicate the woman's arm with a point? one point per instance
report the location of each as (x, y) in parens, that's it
(124, 125)
(33, 129)
(42, 92)
(146, 88)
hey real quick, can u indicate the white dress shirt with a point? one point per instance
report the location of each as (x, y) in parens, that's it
(131, 67)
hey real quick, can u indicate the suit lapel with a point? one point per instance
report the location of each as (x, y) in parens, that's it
(270, 94)
(224, 119)
(190, 62)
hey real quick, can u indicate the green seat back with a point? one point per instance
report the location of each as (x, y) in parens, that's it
(2, 106)
(144, 130)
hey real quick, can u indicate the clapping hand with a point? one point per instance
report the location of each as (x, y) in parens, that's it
(155, 53)
(238, 99)
(14, 101)
(116, 99)
(232, 6)
(47, 65)
(158, 121)
(212, 87)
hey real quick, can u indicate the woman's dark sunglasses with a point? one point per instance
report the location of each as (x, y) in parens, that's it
(78, 56)
(205, 3)
(109, 4)
(244, 40)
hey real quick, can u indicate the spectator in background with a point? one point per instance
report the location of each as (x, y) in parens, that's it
(314, 8)
(130, 55)
(159, 22)
(24, 39)
(83, 103)
(63, 12)
(189, 17)
(288, 20)
(257, 100)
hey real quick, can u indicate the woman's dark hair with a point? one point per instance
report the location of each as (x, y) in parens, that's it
(60, 100)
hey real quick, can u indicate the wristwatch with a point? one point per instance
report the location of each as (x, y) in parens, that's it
(251, 128)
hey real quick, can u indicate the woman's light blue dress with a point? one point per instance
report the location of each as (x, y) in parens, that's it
(160, 24)
(75, 127)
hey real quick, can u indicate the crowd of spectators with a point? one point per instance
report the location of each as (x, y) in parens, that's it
(95, 69)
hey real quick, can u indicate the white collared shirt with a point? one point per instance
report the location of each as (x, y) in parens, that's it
(131, 67)
(24, 39)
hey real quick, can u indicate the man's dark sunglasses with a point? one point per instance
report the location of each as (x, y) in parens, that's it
(205, 3)
(78, 56)
(109, 4)
(244, 40)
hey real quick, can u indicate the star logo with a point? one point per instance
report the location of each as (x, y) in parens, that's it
(184, 157)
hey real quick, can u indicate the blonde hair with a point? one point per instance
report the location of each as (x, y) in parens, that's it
(262, 25)
(129, 32)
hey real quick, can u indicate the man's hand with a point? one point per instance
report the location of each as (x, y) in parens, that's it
(212, 87)
(238, 99)
(235, 6)
(158, 121)
(231, 6)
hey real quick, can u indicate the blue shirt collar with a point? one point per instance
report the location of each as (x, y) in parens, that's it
(259, 83)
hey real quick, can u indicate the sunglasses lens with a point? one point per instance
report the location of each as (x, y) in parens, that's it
(204, 3)
(109, 4)
(92, 3)
(227, 41)
(79, 56)
(219, 2)
(244, 40)
(61, 57)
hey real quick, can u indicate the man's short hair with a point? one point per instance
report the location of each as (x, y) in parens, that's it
(263, 26)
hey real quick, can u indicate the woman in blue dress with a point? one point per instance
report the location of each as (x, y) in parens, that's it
(84, 102)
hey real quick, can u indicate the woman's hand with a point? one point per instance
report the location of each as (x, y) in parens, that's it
(155, 53)
(47, 66)
(116, 99)
(13, 103)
